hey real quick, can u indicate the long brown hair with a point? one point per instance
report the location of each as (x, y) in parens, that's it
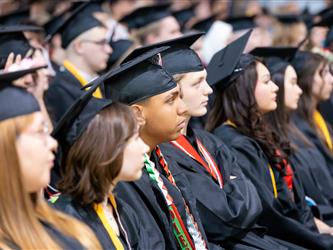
(306, 64)
(237, 103)
(21, 213)
(95, 159)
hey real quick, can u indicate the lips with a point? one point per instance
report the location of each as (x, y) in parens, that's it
(181, 124)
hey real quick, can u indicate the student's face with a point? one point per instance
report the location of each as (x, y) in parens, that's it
(169, 29)
(265, 91)
(194, 92)
(164, 116)
(35, 149)
(322, 83)
(292, 92)
(95, 49)
(133, 159)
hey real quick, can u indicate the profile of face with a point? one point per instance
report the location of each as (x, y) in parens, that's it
(133, 159)
(194, 92)
(292, 92)
(35, 149)
(169, 29)
(318, 36)
(322, 83)
(164, 116)
(94, 42)
(265, 92)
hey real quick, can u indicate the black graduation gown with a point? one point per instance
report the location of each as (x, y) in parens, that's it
(310, 133)
(229, 214)
(137, 237)
(284, 219)
(326, 108)
(149, 204)
(65, 242)
(311, 167)
(62, 92)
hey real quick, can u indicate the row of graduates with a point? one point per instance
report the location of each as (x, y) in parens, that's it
(139, 177)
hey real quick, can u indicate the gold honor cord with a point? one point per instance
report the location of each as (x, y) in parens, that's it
(321, 124)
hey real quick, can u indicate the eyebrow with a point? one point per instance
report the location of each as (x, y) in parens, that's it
(172, 94)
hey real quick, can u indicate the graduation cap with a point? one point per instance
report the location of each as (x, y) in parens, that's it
(16, 101)
(15, 17)
(77, 118)
(13, 40)
(204, 24)
(145, 15)
(241, 23)
(227, 64)
(285, 53)
(289, 19)
(325, 21)
(139, 79)
(184, 15)
(119, 47)
(180, 58)
(79, 21)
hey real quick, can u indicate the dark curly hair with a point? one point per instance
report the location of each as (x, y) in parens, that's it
(237, 103)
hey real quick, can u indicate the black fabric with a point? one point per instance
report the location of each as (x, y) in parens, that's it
(137, 237)
(284, 218)
(326, 108)
(149, 204)
(15, 102)
(241, 23)
(229, 214)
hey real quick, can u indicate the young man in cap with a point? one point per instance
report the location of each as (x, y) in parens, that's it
(169, 213)
(86, 53)
(152, 24)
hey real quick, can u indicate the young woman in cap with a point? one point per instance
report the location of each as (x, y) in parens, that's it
(315, 80)
(307, 160)
(101, 147)
(245, 93)
(27, 154)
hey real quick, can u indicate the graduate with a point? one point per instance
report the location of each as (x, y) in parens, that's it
(84, 39)
(305, 157)
(227, 202)
(101, 147)
(244, 93)
(156, 197)
(27, 154)
(315, 80)
(151, 24)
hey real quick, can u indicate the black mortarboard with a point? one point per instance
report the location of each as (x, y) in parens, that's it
(119, 47)
(77, 118)
(285, 53)
(145, 15)
(79, 21)
(180, 58)
(15, 101)
(241, 23)
(139, 79)
(288, 19)
(184, 15)
(15, 17)
(13, 40)
(204, 24)
(227, 64)
(326, 20)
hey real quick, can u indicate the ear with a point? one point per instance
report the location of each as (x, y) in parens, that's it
(139, 114)
(150, 39)
(77, 47)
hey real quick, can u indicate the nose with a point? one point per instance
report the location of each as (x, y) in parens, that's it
(182, 109)
(52, 144)
(207, 89)
(274, 87)
(108, 48)
(299, 90)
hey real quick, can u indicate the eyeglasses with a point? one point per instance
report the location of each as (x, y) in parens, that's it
(103, 42)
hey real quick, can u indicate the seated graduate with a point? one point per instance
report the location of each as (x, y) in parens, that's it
(27, 154)
(84, 39)
(307, 161)
(315, 80)
(244, 94)
(101, 146)
(168, 211)
(16, 51)
(228, 208)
